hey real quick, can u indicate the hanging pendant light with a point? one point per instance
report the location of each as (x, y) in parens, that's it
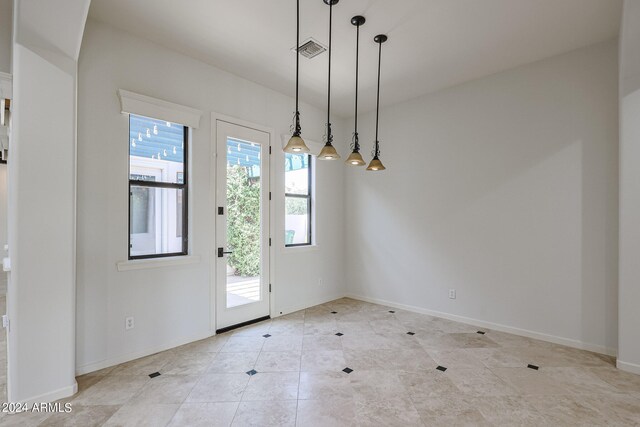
(328, 151)
(355, 159)
(296, 143)
(376, 164)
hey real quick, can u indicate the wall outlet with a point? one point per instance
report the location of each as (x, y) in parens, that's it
(129, 323)
(452, 293)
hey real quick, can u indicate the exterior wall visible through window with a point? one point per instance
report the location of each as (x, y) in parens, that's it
(298, 199)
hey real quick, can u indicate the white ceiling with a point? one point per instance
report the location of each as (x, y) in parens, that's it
(433, 44)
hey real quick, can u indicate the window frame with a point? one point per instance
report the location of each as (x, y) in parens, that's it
(309, 197)
(157, 184)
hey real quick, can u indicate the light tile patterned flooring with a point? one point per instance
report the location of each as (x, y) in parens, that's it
(394, 382)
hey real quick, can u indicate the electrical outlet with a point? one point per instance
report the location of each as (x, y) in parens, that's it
(129, 323)
(452, 293)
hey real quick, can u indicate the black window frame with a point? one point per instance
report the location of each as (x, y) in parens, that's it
(309, 197)
(155, 184)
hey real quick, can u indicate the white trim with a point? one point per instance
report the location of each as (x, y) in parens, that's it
(495, 326)
(299, 249)
(52, 396)
(140, 264)
(628, 367)
(304, 306)
(6, 86)
(142, 105)
(107, 363)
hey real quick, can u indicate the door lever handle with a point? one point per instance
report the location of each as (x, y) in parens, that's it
(221, 252)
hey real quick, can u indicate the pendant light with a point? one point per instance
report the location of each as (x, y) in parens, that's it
(296, 143)
(376, 164)
(355, 159)
(328, 151)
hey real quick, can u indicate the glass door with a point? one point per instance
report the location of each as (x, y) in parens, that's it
(242, 226)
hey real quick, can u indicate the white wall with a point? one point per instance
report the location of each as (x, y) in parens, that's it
(3, 223)
(6, 26)
(41, 200)
(629, 318)
(504, 189)
(171, 304)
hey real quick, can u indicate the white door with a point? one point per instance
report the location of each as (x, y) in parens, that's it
(242, 225)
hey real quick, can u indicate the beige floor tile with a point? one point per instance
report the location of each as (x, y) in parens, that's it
(255, 330)
(243, 344)
(209, 345)
(456, 359)
(146, 415)
(578, 380)
(83, 416)
(165, 389)
(622, 381)
(377, 385)
(195, 364)
(528, 381)
(324, 413)
(266, 414)
(498, 357)
(315, 361)
(278, 361)
(470, 418)
(219, 388)
(283, 343)
(272, 386)
(145, 365)
(286, 328)
(218, 414)
(394, 411)
(480, 382)
(429, 384)
(112, 390)
(509, 411)
(227, 363)
(321, 343)
(320, 327)
(568, 410)
(325, 386)
(24, 419)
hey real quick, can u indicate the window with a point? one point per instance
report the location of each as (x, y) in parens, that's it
(297, 181)
(157, 188)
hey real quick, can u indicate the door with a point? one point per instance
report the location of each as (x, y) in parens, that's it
(242, 226)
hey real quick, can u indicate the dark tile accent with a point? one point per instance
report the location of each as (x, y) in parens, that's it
(252, 372)
(411, 333)
(481, 332)
(441, 368)
(339, 334)
(155, 374)
(534, 367)
(347, 370)
(266, 335)
(391, 311)
(334, 312)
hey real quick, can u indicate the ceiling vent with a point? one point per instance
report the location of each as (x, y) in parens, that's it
(310, 48)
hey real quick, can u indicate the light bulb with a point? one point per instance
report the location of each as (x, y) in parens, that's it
(155, 129)
(148, 133)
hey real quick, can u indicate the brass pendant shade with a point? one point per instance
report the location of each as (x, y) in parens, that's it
(296, 143)
(376, 164)
(355, 159)
(328, 151)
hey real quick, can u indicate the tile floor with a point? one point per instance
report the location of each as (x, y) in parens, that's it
(301, 378)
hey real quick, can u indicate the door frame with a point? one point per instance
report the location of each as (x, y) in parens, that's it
(213, 182)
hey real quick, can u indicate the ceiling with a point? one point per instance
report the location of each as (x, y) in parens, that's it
(433, 44)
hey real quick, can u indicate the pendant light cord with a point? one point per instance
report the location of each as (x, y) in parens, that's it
(297, 126)
(329, 136)
(356, 146)
(378, 100)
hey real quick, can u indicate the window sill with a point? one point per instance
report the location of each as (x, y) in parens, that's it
(142, 264)
(297, 249)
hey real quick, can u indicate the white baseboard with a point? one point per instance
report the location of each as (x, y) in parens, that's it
(628, 367)
(106, 363)
(495, 326)
(50, 396)
(312, 303)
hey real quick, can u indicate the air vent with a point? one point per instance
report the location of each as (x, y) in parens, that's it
(310, 48)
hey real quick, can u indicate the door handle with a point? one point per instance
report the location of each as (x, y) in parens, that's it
(221, 252)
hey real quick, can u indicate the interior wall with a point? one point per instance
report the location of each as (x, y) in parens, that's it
(6, 26)
(3, 223)
(171, 304)
(629, 317)
(504, 189)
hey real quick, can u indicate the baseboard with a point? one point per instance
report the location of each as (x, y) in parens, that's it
(628, 367)
(107, 363)
(299, 307)
(495, 326)
(52, 395)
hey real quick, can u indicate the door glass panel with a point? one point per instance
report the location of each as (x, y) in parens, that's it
(244, 264)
